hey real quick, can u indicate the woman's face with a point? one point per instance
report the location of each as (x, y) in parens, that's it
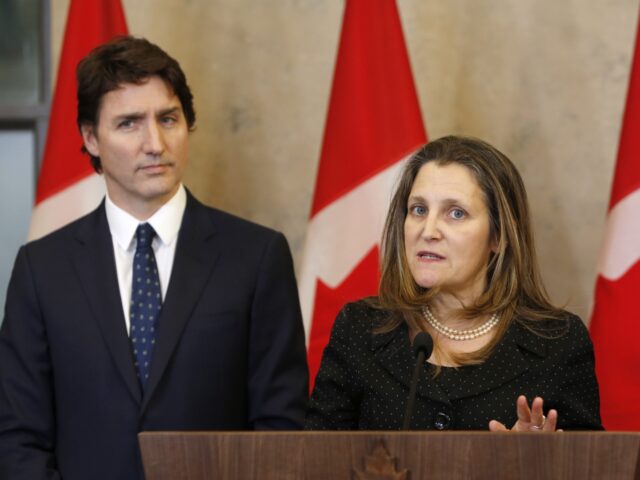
(446, 231)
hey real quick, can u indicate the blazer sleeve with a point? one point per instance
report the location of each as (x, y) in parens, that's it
(579, 404)
(334, 403)
(278, 379)
(27, 422)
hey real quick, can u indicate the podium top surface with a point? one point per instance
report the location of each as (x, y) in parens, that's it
(370, 454)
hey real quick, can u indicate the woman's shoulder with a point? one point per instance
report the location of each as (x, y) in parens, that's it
(566, 327)
(365, 324)
(365, 317)
(364, 313)
(563, 322)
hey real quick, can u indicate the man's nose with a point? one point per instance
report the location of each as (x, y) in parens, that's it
(154, 139)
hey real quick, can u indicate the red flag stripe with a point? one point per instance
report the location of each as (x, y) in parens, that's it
(616, 316)
(373, 123)
(89, 23)
(374, 117)
(616, 319)
(627, 175)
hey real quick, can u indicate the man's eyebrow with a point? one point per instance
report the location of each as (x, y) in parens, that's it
(169, 111)
(128, 116)
(140, 115)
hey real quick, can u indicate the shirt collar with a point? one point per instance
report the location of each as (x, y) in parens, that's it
(166, 221)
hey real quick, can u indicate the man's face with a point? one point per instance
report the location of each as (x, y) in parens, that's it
(141, 138)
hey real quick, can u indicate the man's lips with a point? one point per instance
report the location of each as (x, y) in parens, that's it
(429, 256)
(155, 168)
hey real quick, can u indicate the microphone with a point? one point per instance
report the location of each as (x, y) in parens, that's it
(422, 348)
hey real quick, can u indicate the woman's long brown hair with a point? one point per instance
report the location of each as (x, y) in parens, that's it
(514, 287)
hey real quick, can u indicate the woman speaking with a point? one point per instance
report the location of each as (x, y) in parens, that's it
(458, 262)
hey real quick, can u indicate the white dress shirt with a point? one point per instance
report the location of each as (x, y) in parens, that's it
(166, 222)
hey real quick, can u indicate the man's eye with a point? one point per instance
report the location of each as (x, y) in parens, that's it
(125, 124)
(168, 120)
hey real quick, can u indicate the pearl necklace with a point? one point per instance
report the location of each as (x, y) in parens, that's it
(459, 334)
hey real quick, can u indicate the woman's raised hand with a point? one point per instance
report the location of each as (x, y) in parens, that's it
(529, 419)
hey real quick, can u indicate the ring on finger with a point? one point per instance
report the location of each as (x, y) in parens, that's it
(541, 426)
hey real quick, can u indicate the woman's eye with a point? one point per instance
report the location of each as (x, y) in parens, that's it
(457, 213)
(418, 210)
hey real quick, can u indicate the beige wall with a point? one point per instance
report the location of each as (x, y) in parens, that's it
(543, 80)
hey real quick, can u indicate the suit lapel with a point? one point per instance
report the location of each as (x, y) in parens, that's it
(393, 353)
(94, 262)
(492, 374)
(195, 257)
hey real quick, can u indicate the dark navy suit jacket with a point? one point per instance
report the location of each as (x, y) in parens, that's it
(229, 352)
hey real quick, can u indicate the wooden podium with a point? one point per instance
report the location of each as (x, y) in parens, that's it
(389, 455)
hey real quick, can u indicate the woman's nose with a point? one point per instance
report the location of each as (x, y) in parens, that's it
(431, 227)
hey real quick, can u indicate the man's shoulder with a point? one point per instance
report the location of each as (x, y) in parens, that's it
(229, 220)
(227, 223)
(67, 232)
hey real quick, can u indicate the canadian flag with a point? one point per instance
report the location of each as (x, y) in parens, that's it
(373, 124)
(615, 323)
(68, 187)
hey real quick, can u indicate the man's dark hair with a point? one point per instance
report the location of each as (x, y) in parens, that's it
(126, 59)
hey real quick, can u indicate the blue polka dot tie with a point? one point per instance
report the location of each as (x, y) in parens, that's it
(146, 301)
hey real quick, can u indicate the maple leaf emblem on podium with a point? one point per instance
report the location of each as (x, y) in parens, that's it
(380, 466)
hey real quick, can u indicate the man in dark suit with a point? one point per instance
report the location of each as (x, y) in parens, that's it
(153, 312)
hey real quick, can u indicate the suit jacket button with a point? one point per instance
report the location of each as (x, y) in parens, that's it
(441, 421)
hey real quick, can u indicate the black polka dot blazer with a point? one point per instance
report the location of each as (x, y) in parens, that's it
(364, 378)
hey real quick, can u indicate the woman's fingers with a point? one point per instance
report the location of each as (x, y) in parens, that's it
(523, 411)
(551, 422)
(537, 418)
(530, 419)
(496, 426)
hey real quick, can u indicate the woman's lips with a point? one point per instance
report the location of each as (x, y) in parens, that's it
(429, 256)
